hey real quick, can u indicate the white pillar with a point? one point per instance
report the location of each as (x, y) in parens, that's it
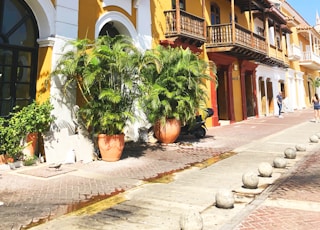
(66, 25)
(144, 23)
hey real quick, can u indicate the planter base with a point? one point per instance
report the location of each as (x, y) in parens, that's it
(111, 146)
(168, 132)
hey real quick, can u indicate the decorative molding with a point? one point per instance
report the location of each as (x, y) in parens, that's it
(46, 42)
(45, 14)
(125, 26)
(136, 3)
(124, 4)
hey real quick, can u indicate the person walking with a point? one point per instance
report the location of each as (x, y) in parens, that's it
(279, 102)
(316, 107)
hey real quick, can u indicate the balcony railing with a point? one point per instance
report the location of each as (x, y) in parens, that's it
(294, 52)
(311, 60)
(277, 57)
(187, 25)
(222, 36)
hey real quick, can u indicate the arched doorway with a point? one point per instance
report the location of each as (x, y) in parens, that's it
(18, 55)
(109, 29)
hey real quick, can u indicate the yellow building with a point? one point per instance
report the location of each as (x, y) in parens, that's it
(304, 55)
(253, 44)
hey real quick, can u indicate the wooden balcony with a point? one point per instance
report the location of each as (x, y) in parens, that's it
(184, 26)
(310, 60)
(276, 57)
(241, 43)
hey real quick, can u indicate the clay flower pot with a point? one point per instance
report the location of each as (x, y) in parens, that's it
(168, 132)
(110, 146)
(32, 141)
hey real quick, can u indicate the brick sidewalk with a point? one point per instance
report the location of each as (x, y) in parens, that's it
(28, 198)
(295, 204)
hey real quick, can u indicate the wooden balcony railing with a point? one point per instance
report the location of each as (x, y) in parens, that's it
(277, 57)
(276, 53)
(186, 25)
(221, 35)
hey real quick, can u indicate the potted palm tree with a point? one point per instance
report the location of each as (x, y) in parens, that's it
(106, 73)
(174, 90)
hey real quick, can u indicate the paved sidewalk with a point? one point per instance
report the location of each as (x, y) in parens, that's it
(35, 194)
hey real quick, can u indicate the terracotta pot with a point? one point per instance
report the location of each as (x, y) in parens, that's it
(32, 147)
(110, 146)
(9, 159)
(168, 132)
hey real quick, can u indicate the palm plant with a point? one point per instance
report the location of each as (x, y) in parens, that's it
(178, 88)
(72, 65)
(316, 82)
(106, 73)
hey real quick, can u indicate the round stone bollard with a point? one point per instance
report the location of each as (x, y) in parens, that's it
(301, 147)
(191, 220)
(314, 139)
(279, 162)
(250, 180)
(224, 199)
(265, 169)
(290, 153)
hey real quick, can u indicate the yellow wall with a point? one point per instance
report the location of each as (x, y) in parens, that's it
(44, 70)
(158, 20)
(89, 13)
(237, 96)
(194, 7)
(225, 12)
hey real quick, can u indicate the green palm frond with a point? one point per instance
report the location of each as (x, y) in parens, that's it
(106, 71)
(178, 88)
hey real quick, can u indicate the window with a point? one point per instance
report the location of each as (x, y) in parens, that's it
(109, 30)
(260, 31)
(215, 14)
(18, 55)
(181, 4)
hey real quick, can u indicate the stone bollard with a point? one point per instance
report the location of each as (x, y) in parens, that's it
(191, 220)
(279, 162)
(290, 153)
(224, 199)
(265, 169)
(301, 147)
(314, 139)
(250, 180)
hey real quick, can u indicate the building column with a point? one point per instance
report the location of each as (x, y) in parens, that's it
(144, 23)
